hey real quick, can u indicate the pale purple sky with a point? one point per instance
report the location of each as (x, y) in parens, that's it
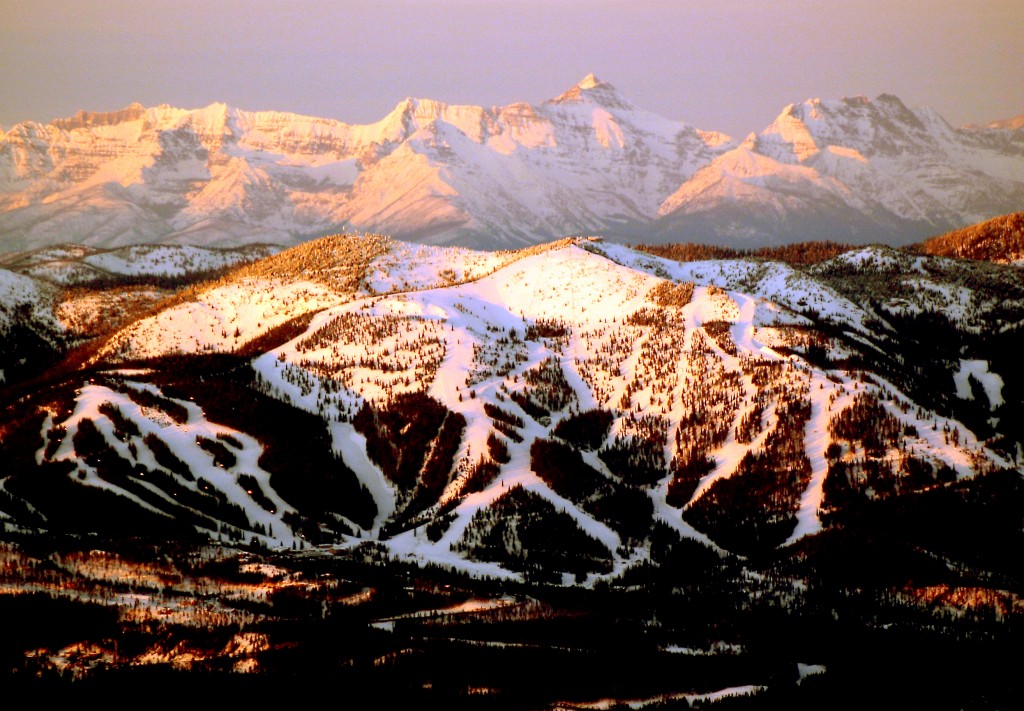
(727, 65)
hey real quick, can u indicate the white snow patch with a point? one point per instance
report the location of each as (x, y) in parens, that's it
(603, 704)
(806, 670)
(992, 383)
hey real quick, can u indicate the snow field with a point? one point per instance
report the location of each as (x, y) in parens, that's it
(169, 260)
(221, 319)
(183, 440)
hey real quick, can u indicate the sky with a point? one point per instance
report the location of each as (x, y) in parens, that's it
(725, 65)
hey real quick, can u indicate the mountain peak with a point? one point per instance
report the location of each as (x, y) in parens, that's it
(592, 89)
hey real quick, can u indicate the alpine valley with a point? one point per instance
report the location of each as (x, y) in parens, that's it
(586, 162)
(571, 475)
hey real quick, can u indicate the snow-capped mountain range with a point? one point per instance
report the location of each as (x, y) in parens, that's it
(586, 162)
(558, 409)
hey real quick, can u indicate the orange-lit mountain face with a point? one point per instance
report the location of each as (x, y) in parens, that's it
(587, 161)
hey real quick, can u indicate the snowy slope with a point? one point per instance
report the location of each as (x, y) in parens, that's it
(481, 329)
(30, 333)
(222, 319)
(223, 316)
(170, 260)
(22, 296)
(74, 264)
(131, 429)
(547, 409)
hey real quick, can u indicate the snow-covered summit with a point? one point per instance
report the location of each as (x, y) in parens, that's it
(588, 161)
(855, 169)
(589, 82)
(592, 90)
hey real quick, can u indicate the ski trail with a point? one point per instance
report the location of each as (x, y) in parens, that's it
(352, 447)
(816, 439)
(742, 330)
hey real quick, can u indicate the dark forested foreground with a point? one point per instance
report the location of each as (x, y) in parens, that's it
(900, 615)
